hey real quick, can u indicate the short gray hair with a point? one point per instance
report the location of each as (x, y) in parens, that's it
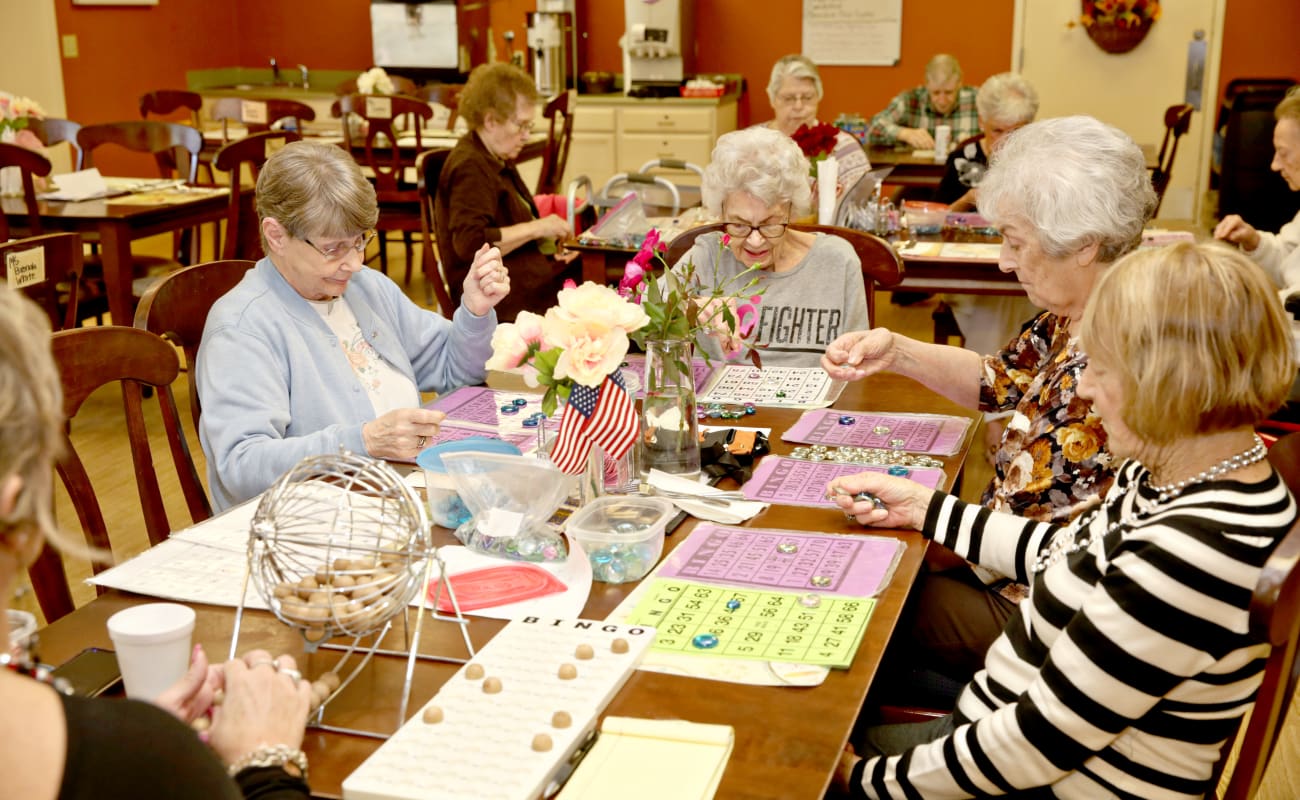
(761, 161)
(1077, 181)
(1289, 108)
(316, 189)
(940, 68)
(1007, 98)
(793, 66)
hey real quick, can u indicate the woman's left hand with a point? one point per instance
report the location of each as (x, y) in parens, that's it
(191, 696)
(487, 283)
(844, 770)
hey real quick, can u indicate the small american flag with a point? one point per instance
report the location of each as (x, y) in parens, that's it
(605, 416)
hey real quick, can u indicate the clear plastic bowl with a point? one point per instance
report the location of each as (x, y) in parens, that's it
(622, 535)
(445, 506)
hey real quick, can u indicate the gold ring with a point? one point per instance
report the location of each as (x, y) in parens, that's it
(292, 673)
(419, 443)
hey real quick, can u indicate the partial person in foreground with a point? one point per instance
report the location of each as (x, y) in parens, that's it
(912, 116)
(812, 286)
(481, 197)
(795, 91)
(69, 748)
(1070, 196)
(1278, 253)
(312, 351)
(1131, 662)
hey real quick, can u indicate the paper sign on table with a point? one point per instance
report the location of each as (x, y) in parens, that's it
(697, 752)
(794, 482)
(933, 434)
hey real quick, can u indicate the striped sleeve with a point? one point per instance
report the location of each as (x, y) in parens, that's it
(1004, 543)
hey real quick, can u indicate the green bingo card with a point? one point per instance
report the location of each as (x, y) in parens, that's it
(722, 621)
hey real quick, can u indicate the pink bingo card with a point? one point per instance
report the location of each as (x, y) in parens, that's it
(477, 405)
(933, 434)
(795, 482)
(857, 565)
(450, 432)
(634, 373)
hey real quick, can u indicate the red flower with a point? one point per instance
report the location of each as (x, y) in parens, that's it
(819, 140)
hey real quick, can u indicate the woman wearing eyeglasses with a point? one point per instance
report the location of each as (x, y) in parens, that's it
(312, 352)
(812, 288)
(795, 90)
(481, 197)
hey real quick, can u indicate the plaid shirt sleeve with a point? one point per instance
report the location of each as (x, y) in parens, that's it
(912, 109)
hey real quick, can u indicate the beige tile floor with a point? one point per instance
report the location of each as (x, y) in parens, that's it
(99, 436)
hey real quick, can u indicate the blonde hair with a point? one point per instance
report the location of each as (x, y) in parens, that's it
(496, 89)
(31, 415)
(941, 68)
(1289, 108)
(1198, 337)
(315, 189)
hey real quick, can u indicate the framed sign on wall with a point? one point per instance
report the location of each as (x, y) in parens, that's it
(115, 2)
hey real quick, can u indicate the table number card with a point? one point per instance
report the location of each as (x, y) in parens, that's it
(25, 267)
(253, 111)
(379, 107)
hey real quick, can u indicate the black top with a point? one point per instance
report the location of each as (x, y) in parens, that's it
(132, 750)
(965, 168)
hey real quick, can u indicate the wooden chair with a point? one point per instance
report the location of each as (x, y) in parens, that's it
(53, 286)
(243, 239)
(429, 168)
(401, 85)
(259, 115)
(446, 95)
(30, 164)
(176, 308)
(881, 265)
(87, 359)
(1178, 120)
(52, 132)
(559, 111)
(167, 102)
(399, 199)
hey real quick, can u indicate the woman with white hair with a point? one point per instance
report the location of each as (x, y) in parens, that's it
(1006, 103)
(1070, 196)
(795, 90)
(812, 287)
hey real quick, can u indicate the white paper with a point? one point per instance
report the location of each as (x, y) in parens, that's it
(855, 32)
(733, 513)
(83, 185)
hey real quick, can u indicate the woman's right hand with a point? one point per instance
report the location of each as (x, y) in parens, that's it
(552, 227)
(859, 354)
(906, 502)
(1235, 230)
(266, 704)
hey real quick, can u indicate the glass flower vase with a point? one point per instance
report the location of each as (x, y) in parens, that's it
(670, 433)
(11, 178)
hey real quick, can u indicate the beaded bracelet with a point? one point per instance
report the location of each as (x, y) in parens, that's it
(271, 756)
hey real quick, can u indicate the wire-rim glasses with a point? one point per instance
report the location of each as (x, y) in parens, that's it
(338, 251)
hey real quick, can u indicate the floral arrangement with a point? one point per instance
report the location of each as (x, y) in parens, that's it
(1119, 13)
(816, 142)
(14, 113)
(677, 308)
(374, 81)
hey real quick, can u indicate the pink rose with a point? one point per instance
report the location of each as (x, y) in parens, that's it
(593, 302)
(633, 276)
(511, 341)
(592, 349)
(570, 284)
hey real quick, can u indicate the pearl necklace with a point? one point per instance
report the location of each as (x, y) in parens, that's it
(1063, 546)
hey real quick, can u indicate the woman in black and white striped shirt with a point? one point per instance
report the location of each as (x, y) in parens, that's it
(1131, 661)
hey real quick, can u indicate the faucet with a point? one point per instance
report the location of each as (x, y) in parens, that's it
(306, 83)
(275, 70)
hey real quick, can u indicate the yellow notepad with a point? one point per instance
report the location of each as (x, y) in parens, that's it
(627, 761)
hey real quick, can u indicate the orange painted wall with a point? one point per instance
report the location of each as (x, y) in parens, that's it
(323, 34)
(1259, 41)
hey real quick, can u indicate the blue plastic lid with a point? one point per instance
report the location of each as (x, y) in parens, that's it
(431, 459)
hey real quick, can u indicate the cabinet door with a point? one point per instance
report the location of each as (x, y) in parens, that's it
(634, 149)
(590, 154)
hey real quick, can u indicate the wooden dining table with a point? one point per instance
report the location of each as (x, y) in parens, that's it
(118, 221)
(788, 740)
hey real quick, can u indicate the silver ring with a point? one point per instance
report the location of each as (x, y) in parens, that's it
(419, 443)
(292, 673)
(264, 662)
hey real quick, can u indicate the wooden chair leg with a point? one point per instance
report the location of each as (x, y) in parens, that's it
(383, 252)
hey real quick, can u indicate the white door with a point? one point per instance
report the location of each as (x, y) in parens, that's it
(1131, 90)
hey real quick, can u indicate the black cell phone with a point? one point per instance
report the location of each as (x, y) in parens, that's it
(91, 673)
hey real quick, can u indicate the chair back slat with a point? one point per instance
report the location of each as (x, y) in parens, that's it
(559, 112)
(380, 112)
(29, 163)
(1178, 121)
(243, 240)
(162, 139)
(429, 169)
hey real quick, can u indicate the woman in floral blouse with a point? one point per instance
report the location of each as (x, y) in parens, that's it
(1070, 196)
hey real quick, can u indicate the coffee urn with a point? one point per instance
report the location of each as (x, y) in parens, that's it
(552, 46)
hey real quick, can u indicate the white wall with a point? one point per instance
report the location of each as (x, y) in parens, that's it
(30, 63)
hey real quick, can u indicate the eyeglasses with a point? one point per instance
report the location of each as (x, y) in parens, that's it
(522, 127)
(795, 99)
(768, 230)
(338, 251)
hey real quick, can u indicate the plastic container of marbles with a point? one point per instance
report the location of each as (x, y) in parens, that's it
(445, 505)
(622, 535)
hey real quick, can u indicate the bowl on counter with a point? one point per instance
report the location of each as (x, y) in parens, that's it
(597, 82)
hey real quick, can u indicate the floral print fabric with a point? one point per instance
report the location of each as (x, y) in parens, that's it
(1053, 461)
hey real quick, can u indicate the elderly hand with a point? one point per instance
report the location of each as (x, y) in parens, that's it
(918, 138)
(191, 696)
(1235, 230)
(552, 227)
(487, 283)
(905, 502)
(859, 354)
(266, 704)
(401, 433)
(844, 770)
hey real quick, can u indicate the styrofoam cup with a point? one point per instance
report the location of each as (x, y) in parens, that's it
(153, 646)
